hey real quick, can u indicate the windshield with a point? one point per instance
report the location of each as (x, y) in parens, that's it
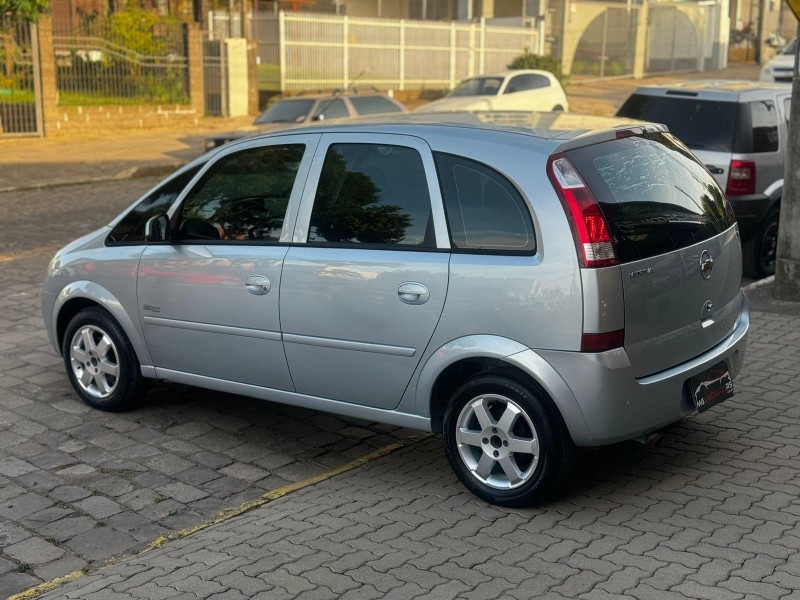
(700, 124)
(790, 47)
(478, 86)
(286, 111)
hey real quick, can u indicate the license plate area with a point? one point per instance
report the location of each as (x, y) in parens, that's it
(711, 387)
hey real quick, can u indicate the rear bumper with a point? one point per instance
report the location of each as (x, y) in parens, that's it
(617, 406)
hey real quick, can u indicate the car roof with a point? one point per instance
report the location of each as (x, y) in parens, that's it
(329, 95)
(507, 72)
(720, 89)
(560, 128)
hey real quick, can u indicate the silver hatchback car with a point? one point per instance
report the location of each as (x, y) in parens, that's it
(521, 290)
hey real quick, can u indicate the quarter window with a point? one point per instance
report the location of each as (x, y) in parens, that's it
(765, 126)
(130, 230)
(243, 197)
(484, 210)
(372, 194)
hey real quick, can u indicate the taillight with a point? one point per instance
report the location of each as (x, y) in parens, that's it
(741, 178)
(589, 227)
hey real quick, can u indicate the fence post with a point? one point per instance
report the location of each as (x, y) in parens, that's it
(471, 67)
(345, 52)
(47, 68)
(37, 79)
(640, 47)
(194, 54)
(402, 54)
(482, 62)
(452, 54)
(282, 48)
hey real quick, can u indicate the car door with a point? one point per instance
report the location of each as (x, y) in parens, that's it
(365, 280)
(208, 299)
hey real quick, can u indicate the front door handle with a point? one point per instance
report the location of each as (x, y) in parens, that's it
(258, 285)
(413, 293)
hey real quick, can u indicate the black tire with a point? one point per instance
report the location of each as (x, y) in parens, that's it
(542, 476)
(104, 391)
(760, 251)
(558, 108)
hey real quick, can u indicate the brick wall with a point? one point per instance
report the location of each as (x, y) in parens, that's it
(98, 118)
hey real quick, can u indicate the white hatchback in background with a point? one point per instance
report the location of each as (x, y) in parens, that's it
(509, 90)
(780, 68)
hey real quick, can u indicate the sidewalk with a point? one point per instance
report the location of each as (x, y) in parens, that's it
(31, 162)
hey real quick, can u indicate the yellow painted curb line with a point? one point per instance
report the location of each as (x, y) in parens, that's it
(222, 516)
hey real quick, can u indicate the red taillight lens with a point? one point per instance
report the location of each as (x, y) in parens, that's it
(589, 226)
(741, 178)
(600, 342)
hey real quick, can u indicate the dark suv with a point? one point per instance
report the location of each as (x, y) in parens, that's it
(739, 130)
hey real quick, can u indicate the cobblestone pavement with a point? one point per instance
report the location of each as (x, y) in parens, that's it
(78, 485)
(712, 512)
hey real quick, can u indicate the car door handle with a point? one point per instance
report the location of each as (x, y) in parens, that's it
(715, 170)
(258, 285)
(413, 293)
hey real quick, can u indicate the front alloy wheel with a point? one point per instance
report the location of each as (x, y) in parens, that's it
(94, 360)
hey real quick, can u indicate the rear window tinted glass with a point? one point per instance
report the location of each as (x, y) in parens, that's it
(372, 194)
(484, 211)
(286, 111)
(765, 126)
(654, 194)
(373, 105)
(700, 124)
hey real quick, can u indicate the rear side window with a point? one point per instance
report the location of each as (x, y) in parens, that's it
(528, 81)
(130, 230)
(372, 194)
(700, 124)
(373, 105)
(243, 197)
(484, 210)
(654, 194)
(331, 109)
(765, 126)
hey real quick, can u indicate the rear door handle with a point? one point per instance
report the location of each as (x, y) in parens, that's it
(413, 293)
(715, 170)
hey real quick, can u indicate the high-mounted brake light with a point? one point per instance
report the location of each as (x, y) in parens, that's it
(741, 178)
(589, 227)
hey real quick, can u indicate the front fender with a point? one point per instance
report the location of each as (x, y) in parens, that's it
(516, 355)
(90, 290)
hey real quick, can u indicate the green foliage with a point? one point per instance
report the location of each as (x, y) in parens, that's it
(529, 60)
(23, 9)
(136, 30)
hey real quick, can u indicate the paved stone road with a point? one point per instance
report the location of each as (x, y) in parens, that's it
(77, 485)
(711, 512)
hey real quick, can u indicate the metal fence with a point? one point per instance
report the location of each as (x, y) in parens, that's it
(301, 51)
(127, 58)
(682, 37)
(215, 78)
(608, 46)
(19, 78)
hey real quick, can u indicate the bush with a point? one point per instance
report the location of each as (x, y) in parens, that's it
(529, 60)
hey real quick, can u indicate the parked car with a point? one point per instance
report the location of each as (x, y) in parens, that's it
(299, 110)
(780, 68)
(520, 292)
(508, 90)
(739, 130)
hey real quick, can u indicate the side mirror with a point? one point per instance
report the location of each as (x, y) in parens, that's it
(156, 229)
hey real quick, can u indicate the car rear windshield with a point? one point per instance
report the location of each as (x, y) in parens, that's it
(700, 124)
(655, 196)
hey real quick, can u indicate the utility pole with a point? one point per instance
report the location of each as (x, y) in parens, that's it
(787, 265)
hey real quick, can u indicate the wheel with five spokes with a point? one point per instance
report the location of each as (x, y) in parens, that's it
(101, 363)
(505, 441)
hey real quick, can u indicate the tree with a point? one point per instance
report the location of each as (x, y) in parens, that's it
(23, 9)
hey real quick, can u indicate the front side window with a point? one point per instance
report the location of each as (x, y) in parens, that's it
(373, 105)
(765, 126)
(372, 194)
(484, 210)
(243, 197)
(331, 109)
(286, 111)
(130, 230)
